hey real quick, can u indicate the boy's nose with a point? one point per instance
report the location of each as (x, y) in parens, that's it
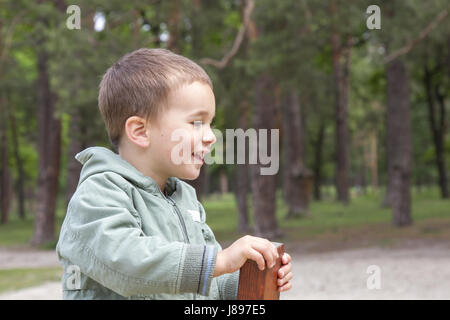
(208, 136)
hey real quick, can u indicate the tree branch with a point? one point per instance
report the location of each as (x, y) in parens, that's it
(421, 36)
(237, 41)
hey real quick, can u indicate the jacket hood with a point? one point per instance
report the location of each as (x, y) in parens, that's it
(99, 159)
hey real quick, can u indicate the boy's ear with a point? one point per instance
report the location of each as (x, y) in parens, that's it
(136, 129)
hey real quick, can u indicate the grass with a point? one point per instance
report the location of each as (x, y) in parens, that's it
(14, 279)
(16, 232)
(363, 220)
(430, 214)
(19, 233)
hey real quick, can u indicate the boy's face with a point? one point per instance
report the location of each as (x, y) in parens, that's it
(183, 135)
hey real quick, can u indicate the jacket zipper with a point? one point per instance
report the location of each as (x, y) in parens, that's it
(183, 225)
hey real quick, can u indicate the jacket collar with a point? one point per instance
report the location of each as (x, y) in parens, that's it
(99, 159)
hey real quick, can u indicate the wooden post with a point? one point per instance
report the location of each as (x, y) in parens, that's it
(255, 284)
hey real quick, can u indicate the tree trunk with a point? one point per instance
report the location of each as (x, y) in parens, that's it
(223, 181)
(264, 186)
(20, 184)
(73, 166)
(298, 177)
(241, 193)
(242, 186)
(387, 201)
(373, 160)
(4, 172)
(437, 127)
(242, 172)
(440, 152)
(318, 160)
(399, 135)
(173, 22)
(199, 183)
(341, 72)
(49, 156)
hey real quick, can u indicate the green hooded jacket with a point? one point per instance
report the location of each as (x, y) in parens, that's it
(123, 239)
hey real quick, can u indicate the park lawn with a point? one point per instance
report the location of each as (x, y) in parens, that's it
(18, 232)
(15, 279)
(362, 221)
(327, 218)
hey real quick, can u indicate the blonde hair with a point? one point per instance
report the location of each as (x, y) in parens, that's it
(139, 84)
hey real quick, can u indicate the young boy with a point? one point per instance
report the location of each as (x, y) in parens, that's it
(133, 229)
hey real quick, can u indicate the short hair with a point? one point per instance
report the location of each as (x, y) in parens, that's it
(139, 85)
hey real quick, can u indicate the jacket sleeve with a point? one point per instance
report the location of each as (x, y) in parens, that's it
(228, 283)
(102, 236)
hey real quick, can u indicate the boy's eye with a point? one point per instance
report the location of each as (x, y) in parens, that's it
(197, 124)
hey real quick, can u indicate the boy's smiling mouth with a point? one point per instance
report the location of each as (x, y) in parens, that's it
(199, 156)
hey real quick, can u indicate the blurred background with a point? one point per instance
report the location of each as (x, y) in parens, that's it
(360, 94)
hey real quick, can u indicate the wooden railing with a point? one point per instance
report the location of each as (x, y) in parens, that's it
(255, 284)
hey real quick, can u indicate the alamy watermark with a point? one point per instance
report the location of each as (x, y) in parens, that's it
(374, 20)
(374, 280)
(74, 20)
(73, 281)
(258, 148)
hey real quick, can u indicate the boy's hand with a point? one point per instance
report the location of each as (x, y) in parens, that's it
(231, 259)
(285, 274)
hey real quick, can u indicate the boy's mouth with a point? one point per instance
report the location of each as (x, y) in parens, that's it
(198, 158)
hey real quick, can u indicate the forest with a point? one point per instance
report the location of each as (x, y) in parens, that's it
(359, 91)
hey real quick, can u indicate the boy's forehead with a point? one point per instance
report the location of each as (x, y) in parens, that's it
(194, 99)
(194, 110)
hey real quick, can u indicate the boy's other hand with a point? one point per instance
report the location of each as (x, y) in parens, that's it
(285, 274)
(262, 251)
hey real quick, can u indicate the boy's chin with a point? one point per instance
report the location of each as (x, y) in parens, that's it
(192, 173)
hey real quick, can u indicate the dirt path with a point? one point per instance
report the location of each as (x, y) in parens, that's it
(408, 272)
(25, 257)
